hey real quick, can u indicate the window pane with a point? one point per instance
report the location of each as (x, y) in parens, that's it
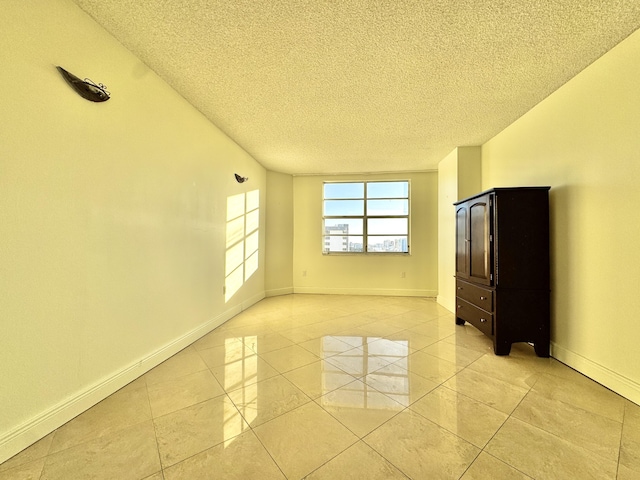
(387, 207)
(342, 243)
(387, 189)
(388, 243)
(387, 226)
(338, 208)
(386, 216)
(336, 226)
(344, 190)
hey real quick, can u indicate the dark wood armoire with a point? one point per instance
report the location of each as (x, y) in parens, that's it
(502, 266)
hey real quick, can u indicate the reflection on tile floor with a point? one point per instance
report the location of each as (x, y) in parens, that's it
(332, 387)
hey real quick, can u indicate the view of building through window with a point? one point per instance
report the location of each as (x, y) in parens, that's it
(361, 217)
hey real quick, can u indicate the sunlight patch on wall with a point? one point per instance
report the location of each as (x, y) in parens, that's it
(243, 225)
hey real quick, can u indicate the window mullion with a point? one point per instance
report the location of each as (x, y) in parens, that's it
(365, 221)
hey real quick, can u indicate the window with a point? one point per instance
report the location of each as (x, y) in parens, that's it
(366, 217)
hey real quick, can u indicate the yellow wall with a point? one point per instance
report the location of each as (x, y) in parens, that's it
(458, 177)
(113, 220)
(584, 141)
(366, 274)
(279, 246)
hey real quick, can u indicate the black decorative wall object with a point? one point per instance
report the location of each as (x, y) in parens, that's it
(241, 179)
(96, 92)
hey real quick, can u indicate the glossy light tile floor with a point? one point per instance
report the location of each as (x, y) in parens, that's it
(333, 387)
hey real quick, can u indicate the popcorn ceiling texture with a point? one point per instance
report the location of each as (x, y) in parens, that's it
(355, 86)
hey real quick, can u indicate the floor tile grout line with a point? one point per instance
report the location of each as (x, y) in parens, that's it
(92, 439)
(510, 415)
(382, 456)
(163, 467)
(516, 406)
(492, 437)
(538, 427)
(512, 466)
(475, 399)
(155, 430)
(573, 405)
(561, 439)
(311, 400)
(277, 416)
(42, 471)
(442, 385)
(362, 437)
(331, 459)
(471, 464)
(452, 433)
(44, 457)
(620, 446)
(282, 374)
(267, 450)
(87, 440)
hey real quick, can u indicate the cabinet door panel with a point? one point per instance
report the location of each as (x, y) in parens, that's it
(479, 240)
(462, 244)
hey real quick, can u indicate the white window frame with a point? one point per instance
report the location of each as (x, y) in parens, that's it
(365, 217)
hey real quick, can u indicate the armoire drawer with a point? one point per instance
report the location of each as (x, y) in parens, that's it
(481, 297)
(480, 319)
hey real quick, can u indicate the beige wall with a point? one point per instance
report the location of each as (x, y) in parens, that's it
(113, 221)
(458, 177)
(114, 234)
(366, 274)
(584, 141)
(279, 233)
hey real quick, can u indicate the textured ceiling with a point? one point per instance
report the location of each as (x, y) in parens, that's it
(344, 86)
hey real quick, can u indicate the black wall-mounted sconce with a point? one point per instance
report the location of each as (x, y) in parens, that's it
(96, 92)
(240, 179)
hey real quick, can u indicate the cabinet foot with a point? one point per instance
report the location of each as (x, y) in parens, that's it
(502, 348)
(542, 349)
(459, 321)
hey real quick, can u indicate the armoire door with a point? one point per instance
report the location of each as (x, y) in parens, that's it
(479, 243)
(462, 241)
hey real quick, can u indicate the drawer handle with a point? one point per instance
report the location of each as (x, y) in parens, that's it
(483, 298)
(459, 306)
(483, 320)
(459, 288)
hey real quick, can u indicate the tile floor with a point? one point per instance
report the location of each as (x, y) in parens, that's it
(337, 387)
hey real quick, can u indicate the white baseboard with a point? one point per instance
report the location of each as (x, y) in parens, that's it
(389, 292)
(34, 429)
(279, 291)
(627, 387)
(251, 301)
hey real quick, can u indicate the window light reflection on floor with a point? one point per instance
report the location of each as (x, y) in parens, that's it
(240, 372)
(364, 360)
